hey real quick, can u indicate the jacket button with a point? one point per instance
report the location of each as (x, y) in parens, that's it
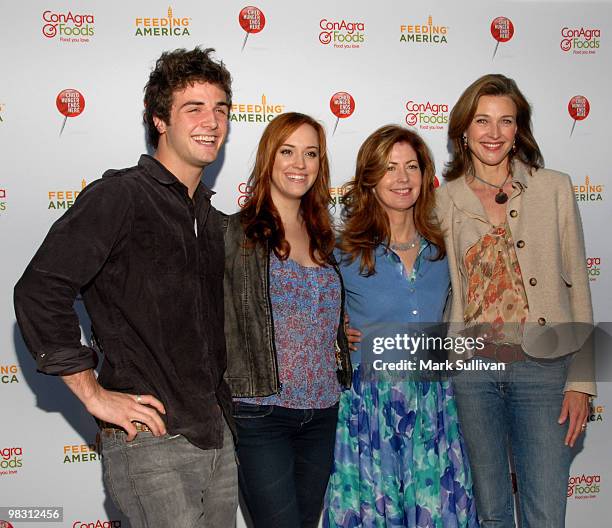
(514, 213)
(533, 281)
(541, 321)
(520, 244)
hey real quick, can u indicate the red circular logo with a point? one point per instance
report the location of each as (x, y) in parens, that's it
(5, 524)
(70, 102)
(566, 44)
(579, 107)
(342, 104)
(411, 118)
(252, 19)
(502, 29)
(325, 37)
(245, 191)
(49, 31)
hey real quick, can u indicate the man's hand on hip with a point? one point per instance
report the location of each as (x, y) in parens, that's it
(116, 407)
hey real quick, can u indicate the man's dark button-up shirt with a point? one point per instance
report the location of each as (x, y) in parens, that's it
(148, 261)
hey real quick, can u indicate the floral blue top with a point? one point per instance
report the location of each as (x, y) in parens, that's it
(306, 313)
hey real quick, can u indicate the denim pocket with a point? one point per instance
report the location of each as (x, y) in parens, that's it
(251, 410)
(544, 372)
(147, 439)
(550, 364)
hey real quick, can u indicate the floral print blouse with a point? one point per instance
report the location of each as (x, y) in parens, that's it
(496, 293)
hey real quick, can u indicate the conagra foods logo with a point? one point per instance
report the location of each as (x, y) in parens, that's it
(580, 41)
(96, 524)
(427, 115)
(341, 34)
(584, 486)
(69, 26)
(593, 269)
(11, 459)
(245, 191)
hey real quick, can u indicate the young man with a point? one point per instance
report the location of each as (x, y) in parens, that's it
(144, 247)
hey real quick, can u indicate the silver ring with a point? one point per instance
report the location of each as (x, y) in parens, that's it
(139, 398)
(583, 427)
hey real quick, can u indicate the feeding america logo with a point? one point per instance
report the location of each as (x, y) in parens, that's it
(167, 26)
(428, 33)
(262, 111)
(589, 191)
(64, 199)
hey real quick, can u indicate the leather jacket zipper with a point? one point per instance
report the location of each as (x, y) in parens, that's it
(279, 385)
(338, 350)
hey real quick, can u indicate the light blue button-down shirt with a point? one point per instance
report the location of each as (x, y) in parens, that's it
(393, 295)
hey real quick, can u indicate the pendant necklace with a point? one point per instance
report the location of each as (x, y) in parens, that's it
(501, 197)
(405, 246)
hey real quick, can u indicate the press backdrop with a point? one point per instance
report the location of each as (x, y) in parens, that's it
(71, 104)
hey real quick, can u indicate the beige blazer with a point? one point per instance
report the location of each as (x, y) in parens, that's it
(546, 228)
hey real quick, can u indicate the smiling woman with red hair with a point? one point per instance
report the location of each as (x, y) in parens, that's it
(287, 352)
(399, 458)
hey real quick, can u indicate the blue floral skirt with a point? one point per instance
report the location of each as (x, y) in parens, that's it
(399, 459)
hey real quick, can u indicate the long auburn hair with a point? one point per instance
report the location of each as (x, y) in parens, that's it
(260, 219)
(366, 224)
(463, 112)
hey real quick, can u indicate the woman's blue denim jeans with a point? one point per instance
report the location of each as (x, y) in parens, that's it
(285, 458)
(164, 481)
(516, 411)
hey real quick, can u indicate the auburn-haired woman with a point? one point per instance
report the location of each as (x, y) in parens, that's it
(287, 352)
(399, 458)
(517, 264)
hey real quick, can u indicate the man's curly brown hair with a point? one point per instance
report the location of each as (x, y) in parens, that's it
(173, 71)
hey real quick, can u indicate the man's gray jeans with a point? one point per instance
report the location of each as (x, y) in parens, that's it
(158, 482)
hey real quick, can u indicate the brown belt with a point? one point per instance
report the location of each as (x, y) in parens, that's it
(502, 352)
(107, 427)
